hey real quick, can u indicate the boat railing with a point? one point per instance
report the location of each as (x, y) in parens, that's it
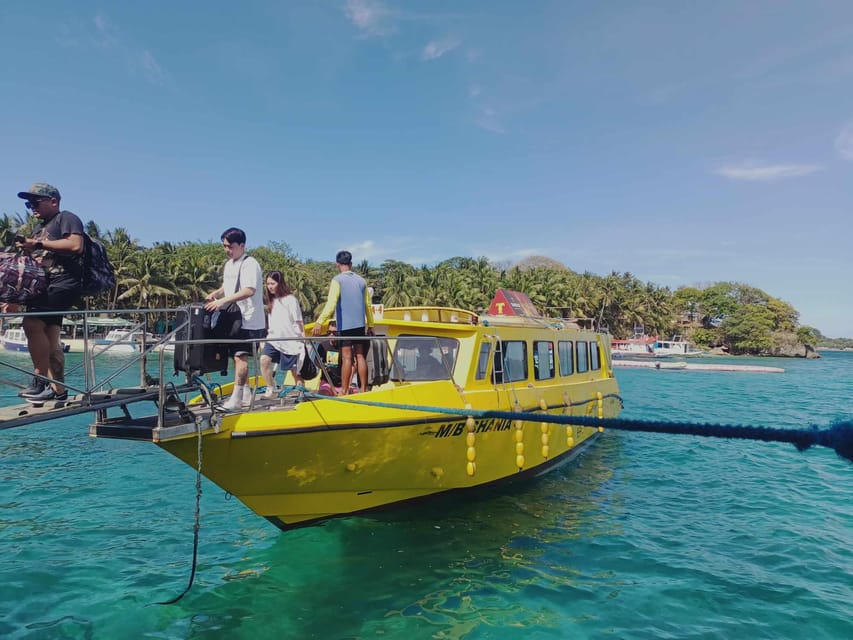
(90, 318)
(102, 374)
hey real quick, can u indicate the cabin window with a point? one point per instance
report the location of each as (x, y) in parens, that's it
(515, 360)
(543, 359)
(424, 358)
(582, 353)
(483, 360)
(594, 357)
(565, 350)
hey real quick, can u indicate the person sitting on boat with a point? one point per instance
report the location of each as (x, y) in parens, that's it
(285, 321)
(57, 244)
(350, 300)
(427, 366)
(330, 357)
(243, 270)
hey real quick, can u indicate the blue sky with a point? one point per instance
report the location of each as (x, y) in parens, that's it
(684, 142)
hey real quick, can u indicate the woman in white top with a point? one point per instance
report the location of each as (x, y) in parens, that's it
(285, 321)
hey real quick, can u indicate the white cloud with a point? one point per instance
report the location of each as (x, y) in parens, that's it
(488, 119)
(371, 17)
(844, 142)
(752, 172)
(151, 68)
(505, 254)
(102, 34)
(107, 34)
(437, 48)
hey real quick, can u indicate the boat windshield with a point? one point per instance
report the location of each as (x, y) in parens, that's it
(424, 358)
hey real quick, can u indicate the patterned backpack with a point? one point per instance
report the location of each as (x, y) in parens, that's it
(98, 272)
(21, 278)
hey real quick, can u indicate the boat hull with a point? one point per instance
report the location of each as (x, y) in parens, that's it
(293, 471)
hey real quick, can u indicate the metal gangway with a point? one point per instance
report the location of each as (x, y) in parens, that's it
(100, 390)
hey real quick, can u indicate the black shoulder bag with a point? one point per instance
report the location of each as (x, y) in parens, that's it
(230, 319)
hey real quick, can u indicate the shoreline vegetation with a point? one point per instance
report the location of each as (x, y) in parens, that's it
(731, 317)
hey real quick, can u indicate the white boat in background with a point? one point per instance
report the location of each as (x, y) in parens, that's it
(676, 347)
(639, 346)
(122, 341)
(16, 340)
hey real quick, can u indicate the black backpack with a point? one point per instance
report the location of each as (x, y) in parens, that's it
(309, 368)
(98, 272)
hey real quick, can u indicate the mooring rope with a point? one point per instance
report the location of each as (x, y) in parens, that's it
(197, 523)
(838, 436)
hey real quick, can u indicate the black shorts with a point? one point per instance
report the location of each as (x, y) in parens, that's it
(247, 348)
(60, 296)
(358, 332)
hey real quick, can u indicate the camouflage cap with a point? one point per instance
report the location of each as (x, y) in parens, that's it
(40, 190)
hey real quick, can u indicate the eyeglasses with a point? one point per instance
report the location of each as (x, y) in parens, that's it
(32, 205)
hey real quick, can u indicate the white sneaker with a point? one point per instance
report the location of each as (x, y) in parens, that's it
(232, 404)
(270, 393)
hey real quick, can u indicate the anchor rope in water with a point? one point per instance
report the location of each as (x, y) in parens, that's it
(838, 436)
(197, 522)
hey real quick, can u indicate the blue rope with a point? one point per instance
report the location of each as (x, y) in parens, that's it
(838, 437)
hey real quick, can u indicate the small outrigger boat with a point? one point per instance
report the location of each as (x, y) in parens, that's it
(418, 432)
(16, 340)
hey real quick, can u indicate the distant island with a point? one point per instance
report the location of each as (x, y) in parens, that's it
(728, 317)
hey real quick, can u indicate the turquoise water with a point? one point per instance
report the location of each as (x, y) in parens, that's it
(645, 536)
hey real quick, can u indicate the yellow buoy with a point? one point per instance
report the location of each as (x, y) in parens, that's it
(471, 423)
(545, 451)
(542, 404)
(519, 436)
(545, 438)
(519, 461)
(471, 454)
(471, 468)
(470, 439)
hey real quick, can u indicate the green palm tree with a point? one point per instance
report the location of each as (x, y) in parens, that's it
(147, 281)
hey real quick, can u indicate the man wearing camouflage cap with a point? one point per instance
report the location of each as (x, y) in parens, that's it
(57, 244)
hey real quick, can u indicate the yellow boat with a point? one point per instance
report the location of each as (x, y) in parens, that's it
(415, 433)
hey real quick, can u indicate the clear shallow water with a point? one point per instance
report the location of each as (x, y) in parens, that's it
(645, 536)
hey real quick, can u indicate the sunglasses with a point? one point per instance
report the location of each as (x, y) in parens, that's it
(34, 204)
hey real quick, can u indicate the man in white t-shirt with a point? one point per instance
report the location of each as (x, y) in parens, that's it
(242, 270)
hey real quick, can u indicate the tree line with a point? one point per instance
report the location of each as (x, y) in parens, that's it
(735, 316)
